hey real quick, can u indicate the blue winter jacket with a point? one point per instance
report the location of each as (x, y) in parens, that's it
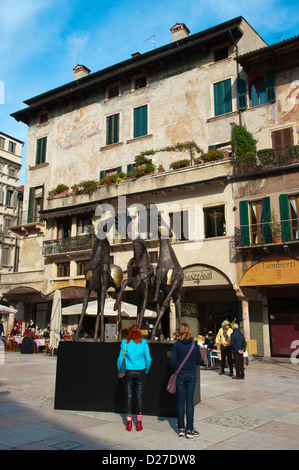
(137, 355)
(179, 351)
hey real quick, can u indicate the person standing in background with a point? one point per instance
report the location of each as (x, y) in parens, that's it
(238, 348)
(223, 342)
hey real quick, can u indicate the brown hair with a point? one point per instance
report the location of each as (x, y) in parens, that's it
(184, 332)
(134, 334)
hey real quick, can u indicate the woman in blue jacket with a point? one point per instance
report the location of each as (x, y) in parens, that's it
(186, 379)
(138, 361)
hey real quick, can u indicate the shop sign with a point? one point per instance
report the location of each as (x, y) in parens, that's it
(203, 276)
(272, 271)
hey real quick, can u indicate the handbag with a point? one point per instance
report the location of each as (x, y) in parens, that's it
(171, 386)
(122, 370)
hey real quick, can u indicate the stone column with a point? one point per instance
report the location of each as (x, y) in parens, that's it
(266, 327)
(245, 317)
(10, 322)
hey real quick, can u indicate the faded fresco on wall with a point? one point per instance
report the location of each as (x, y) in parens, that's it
(290, 104)
(77, 126)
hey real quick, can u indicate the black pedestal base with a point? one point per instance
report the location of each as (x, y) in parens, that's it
(86, 379)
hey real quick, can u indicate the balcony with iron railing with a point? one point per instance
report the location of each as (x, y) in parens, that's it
(263, 235)
(267, 159)
(68, 245)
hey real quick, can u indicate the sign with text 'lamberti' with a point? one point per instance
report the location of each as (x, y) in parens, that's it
(272, 271)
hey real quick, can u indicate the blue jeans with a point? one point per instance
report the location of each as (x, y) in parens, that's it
(185, 386)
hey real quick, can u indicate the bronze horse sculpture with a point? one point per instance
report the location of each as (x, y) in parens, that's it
(100, 275)
(140, 276)
(169, 277)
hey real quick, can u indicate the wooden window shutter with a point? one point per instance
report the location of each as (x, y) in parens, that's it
(285, 217)
(244, 222)
(270, 87)
(242, 94)
(282, 139)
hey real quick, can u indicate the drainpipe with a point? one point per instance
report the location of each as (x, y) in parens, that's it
(238, 71)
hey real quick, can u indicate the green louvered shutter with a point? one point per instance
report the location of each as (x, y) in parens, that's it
(102, 174)
(41, 148)
(30, 205)
(112, 129)
(140, 121)
(242, 94)
(130, 168)
(244, 222)
(222, 97)
(285, 217)
(270, 87)
(267, 218)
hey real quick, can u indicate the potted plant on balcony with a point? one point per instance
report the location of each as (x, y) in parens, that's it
(75, 187)
(161, 169)
(180, 164)
(275, 226)
(61, 188)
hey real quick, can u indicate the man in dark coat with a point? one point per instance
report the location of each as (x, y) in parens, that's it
(238, 344)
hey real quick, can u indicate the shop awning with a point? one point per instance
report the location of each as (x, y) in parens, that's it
(4, 309)
(127, 310)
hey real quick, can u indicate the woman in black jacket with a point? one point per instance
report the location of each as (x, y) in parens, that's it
(186, 379)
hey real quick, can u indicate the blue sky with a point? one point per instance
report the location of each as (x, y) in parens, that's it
(43, 40)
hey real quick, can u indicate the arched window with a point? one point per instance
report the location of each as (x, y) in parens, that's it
(258, 94)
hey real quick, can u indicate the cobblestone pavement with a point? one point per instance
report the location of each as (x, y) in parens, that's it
(260, 412)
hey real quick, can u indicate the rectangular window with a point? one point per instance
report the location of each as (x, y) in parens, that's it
(140, 121)
(41, 149)
(84, 226)
(43, 117)
(80, 268)
(2, 142)
(63, 269)
(9, 197)
(36, 196)
(64, 226)
(112, 91)
(281, 141)
(221, 53)
(11, 147)
(214, 222)
(254, 218)
(5, 256)
(112, 129)
(222, 97)
(294, 216)
(179, 224)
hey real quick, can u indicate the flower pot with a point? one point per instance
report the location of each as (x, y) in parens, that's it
(275, 239)
(161, 170)
(226, 155)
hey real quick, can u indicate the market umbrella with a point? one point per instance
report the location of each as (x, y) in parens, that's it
(56, 318)
(127, 310)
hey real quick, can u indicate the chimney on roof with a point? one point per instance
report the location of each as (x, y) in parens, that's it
(179, 31)
(80, 71)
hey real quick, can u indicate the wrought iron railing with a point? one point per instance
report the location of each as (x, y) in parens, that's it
(266, 159)
(68, 245)
(265, 233)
